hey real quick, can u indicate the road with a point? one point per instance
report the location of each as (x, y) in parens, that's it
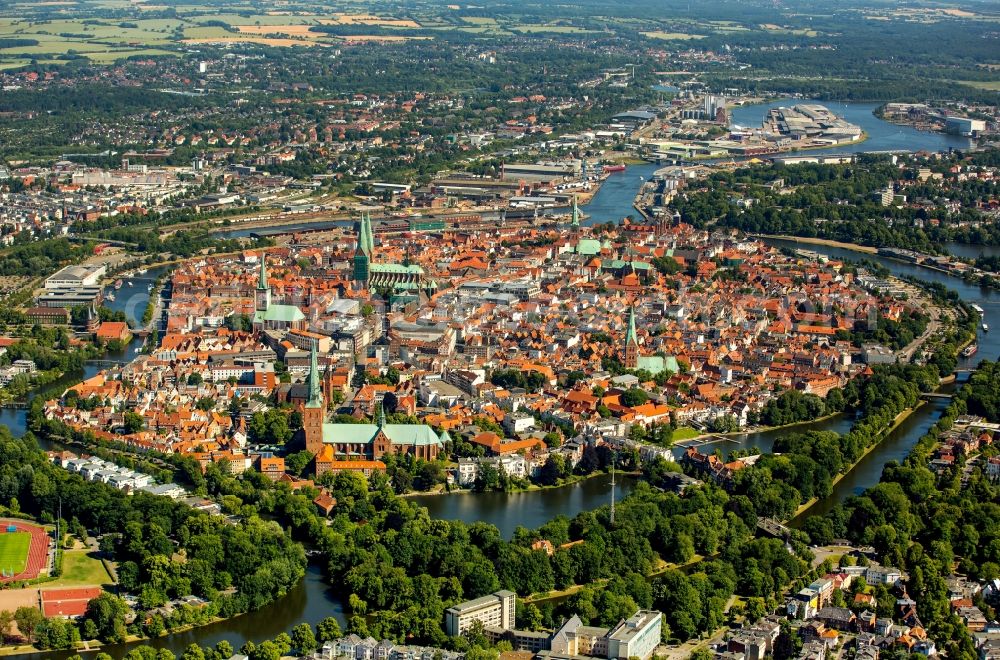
(933, 324)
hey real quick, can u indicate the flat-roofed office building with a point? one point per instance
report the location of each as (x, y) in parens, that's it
(75, 277)
(638, 636)
(493, 611)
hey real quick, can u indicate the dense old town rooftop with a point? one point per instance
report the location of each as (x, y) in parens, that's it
(708, 325)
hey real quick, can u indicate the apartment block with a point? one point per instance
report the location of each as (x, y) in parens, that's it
(493, 611)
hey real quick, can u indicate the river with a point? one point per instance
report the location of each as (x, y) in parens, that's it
(530, 509)
(882, 136)
(987, 298)
(132, 301)
(313, 599)
(900, 441)
(966, 251)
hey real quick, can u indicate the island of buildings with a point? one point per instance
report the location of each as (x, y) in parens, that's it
(531, 329)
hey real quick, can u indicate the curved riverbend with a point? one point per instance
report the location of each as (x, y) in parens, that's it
(312, 600)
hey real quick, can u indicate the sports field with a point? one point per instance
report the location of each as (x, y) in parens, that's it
(14, 551)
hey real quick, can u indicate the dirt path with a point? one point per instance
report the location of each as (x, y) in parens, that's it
(821, 241)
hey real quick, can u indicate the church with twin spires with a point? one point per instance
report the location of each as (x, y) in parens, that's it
(402, 281)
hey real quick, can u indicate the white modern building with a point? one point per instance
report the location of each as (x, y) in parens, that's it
(964, 126)
(493, 611)
(75, 277)
(636, 637)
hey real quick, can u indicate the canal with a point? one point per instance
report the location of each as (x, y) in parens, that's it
(312, 600)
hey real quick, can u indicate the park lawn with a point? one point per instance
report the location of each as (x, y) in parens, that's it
(685, 433)
(79, 568)
(14, 551)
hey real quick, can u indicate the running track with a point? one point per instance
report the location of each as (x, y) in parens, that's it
(38, 550)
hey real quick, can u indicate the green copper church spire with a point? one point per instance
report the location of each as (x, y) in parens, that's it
(262, 296)
(366, 241)
(369, 237)
(630, 336)
(315, 394)
(576, 214)
(262, 280)
(363, 253)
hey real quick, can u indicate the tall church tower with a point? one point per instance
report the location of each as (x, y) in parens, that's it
(365, 251)
(262, 296)
(631, 342)
(576, 215)
(313, 412)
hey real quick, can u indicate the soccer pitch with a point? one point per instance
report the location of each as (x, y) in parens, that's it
(14, 551)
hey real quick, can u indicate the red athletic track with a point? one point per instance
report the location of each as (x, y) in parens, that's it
(38, 549)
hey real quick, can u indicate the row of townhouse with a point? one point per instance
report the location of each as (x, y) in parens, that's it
(358, 648)
(526, 463)
(99, 470)
(514, 466)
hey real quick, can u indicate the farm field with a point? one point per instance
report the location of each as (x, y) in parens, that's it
(558, 29)
(106, 40)
(672, 36)
(249, 39)
(14, 551)
(366, 19)
(297, 31)
(101, 42)
(993, 85)
(379, 38)
(259, 19)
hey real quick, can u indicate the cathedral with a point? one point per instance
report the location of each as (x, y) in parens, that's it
(631, 358)
(360, 441)
(402, 281)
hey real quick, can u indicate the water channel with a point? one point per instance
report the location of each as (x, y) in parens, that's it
(312, 599)
(132, 301)
(882, 136)
(529, 509)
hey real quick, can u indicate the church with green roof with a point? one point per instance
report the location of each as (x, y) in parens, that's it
(331, 441)
(404, 281)
(271, 316)
(654, 364)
